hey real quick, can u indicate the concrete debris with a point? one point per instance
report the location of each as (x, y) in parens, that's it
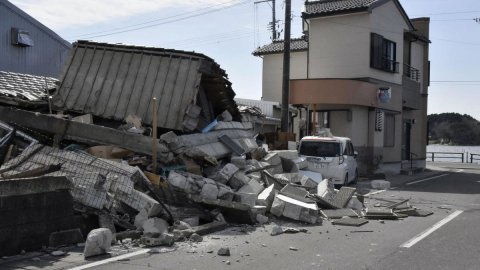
(274, 160)
(224, 251)
(294, 209)
(261, 219)
(198, 183)
(155, 225)
(58, 253)
(195, 238)
(380, 184)
(98, 242)
(277, 229)
(164, 239)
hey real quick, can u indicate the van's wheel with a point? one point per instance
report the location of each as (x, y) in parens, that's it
(355, 180)
(345, 182)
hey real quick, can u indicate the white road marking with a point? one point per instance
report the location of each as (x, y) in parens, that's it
(459, 170)
(375, 192)
(435, 227)
(478, 181)
(121, 257)
(426, 179)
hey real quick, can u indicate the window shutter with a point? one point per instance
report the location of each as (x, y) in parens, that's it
(376, 50)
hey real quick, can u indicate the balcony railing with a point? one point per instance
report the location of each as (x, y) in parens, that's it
(411, 72)
(390, 65)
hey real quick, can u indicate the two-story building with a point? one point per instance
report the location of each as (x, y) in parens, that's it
(362, 70)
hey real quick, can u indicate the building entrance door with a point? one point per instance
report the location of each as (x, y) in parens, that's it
(406, 139)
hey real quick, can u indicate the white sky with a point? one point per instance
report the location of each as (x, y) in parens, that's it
(229, 30)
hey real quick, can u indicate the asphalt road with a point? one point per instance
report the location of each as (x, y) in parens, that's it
(377, 245)
(452, 240)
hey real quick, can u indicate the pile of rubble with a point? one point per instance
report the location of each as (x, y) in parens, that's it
(203, 182)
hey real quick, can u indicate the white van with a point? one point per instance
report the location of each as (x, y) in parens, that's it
(333, 157)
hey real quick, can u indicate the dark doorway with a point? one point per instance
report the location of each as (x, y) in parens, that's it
(406, 139)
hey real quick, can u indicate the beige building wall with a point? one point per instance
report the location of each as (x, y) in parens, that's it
(273, 72)
(340, 45)
(416, 60)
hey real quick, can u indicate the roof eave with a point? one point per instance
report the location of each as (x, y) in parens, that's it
(333, 13)
(277, 52)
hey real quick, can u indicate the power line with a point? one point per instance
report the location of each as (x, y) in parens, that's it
(166, 20)
(446, 13)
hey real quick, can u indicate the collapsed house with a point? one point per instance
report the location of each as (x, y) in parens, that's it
(113, 81)
(202, 171)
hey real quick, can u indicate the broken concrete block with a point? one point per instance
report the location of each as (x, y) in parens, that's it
(238, 180)
(295, 209)
(224, 251)
(106, 221)
(177, 180)
(192, 221)
(253, 186)
(180, 225)
(274, 159)
(326, 190)
(277, 207)
(246, 198)
(155, 225)
(240, 162)
(164, 239)
(209, 191)
(181, 235)
(226, 173)
(380, 184)
(225, 193)
(266, 197)
(98, 242)
(287, 154)
(354, 203)
(261, 219)
(295, 192)
(195, 238)
(300, 163)
(276, 230)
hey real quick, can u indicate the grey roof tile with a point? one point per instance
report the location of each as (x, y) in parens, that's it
(24, 86)
(296, 45)
(331, 6)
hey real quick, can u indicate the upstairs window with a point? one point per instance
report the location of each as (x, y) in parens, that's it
(383, 54)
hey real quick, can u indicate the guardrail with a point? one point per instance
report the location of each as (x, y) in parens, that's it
(442, 155)
(464, 157)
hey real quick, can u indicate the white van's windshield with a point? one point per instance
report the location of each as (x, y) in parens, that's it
(320, 149)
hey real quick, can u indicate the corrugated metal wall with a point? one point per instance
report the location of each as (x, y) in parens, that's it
(45, 58)
(114, 81)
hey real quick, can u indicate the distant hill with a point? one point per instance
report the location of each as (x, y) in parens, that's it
(454, 128)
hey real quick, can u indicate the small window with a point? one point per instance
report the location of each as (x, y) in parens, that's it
(320, 149)
(348, 149)
(21, 38)
(383, 54)
(389, 131)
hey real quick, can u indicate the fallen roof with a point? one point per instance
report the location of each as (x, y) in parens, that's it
(296, 45)
(19, 88)
(113, 81)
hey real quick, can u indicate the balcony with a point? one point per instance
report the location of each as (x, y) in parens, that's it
(411, 72)
(389, 65)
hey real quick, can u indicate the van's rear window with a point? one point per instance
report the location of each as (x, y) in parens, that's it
(320, 149)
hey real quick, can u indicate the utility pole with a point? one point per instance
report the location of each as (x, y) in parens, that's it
(286, 68)
(272, 24)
